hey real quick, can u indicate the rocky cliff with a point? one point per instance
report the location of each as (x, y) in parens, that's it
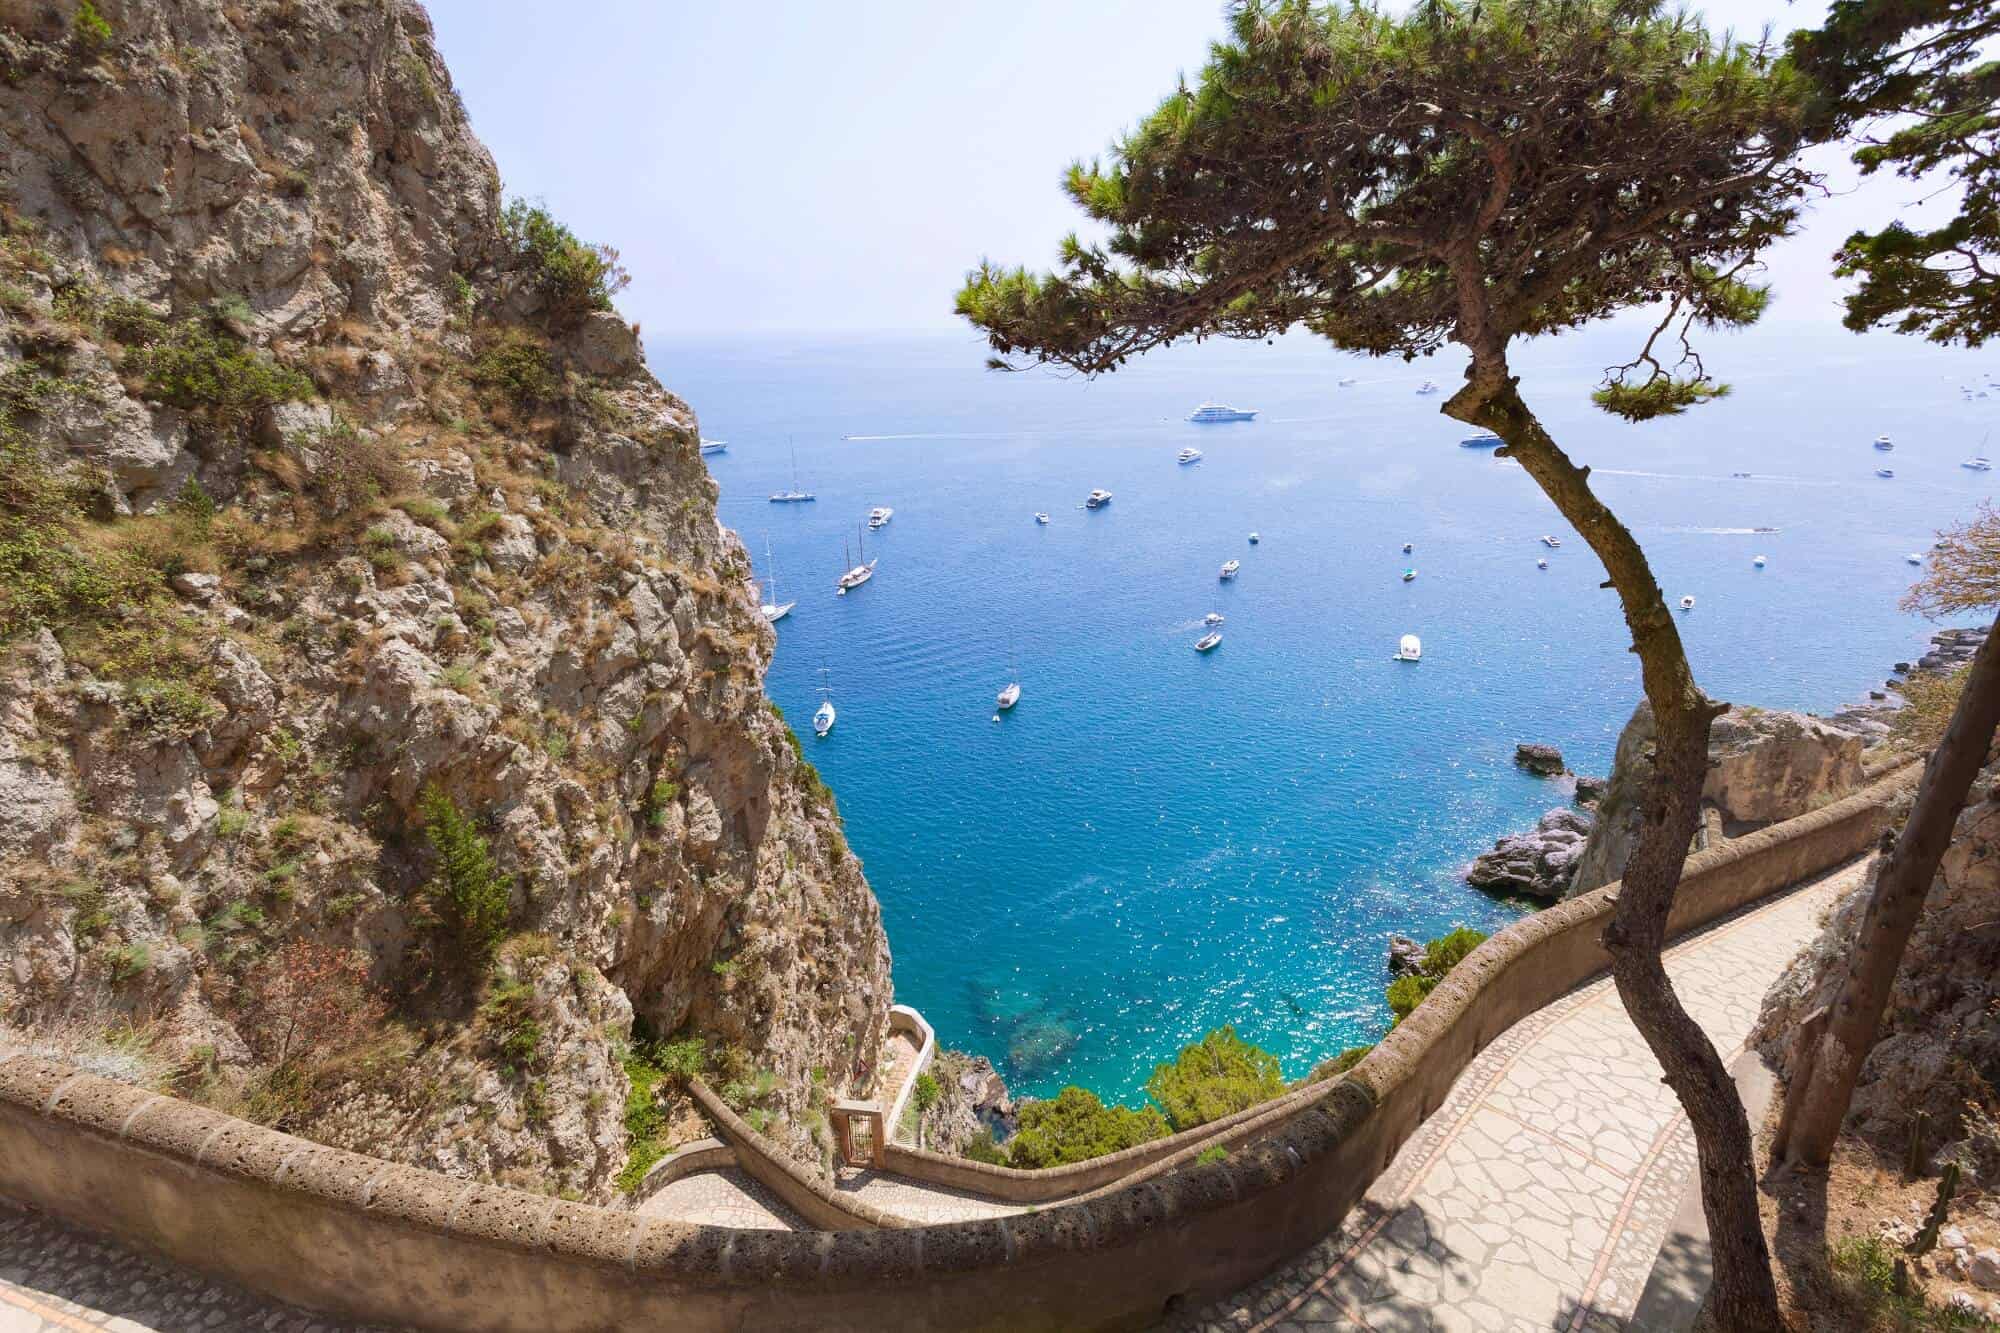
(381, 724)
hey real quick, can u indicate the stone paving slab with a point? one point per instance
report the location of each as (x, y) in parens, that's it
(1536, 1199)
(724, 1197)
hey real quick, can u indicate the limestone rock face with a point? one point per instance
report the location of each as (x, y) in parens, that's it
(402, 579)
(1940, 1040)
(1538, 863)
(1763, 766)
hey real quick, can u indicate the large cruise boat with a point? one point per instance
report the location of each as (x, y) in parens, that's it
(1097, 500)
(1222, 412)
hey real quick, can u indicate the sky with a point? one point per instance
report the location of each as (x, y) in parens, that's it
(799, 166)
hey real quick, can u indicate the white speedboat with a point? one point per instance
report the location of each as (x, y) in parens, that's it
(1978, 464)
(823, 715)
(1097, 499)
(1884, 443)
(1254, 539)
(1757, 561)
(1914, 558)
(879, 516)
(1551, 542)
(1209, 413)
(1188, 456)
(1041, 518)
(1409, 649)
(1687, 603)
(1481, 439)
(1212, 618)
(1008, 697)
(774, 610)
(1208, 641)
(1885, 472)
(1229, 568)
(856, 575)
(1428, 386)
(1541, 564)
(709, 446)
(1409, 547)
(1409, 576)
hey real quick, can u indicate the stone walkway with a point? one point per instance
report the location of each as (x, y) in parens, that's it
(1535, 1200)
(723, 1197)
(898, 1065)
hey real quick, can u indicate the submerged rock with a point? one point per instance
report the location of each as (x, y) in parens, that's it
(1538, 863)
(1541, 760)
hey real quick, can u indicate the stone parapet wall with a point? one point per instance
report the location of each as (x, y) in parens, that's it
(367, 1239)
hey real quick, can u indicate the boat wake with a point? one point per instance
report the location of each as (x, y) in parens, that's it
(1721, 532)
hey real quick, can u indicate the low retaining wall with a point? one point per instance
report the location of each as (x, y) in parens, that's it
(689, 1158)
(367, 1239)
(902, 1018)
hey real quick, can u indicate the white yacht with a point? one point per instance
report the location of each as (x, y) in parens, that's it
(1409, 649)
(709, 446)
(794, 495)
(1254, 539)
(1097, 499)
(856, 575)
(1541, 564)
(823, 716)
(774, 610)
(1208, 641)
(1551, 542)
(879, 516)
(1481, 439)
(1188, 456)
(1409, 576)
(1978, 464)
(1008, 697)
(1914, 558)
(1884, 443)
(1212, 412)
(1428, 386)
(1041, 518)
(1212, 618)
(1687, 603)
(1229, 568)
(1885, 472)
(1757, 561)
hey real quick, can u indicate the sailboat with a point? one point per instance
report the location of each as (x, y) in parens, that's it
(1009, 696)
(856, 575)
(794, 495)
(823, 715)
(774, 610)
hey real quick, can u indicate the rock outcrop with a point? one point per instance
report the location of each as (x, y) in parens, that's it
(1542, 760)
(1764, 766)
(1940, 1039)
(338, 506)
(1538, 863)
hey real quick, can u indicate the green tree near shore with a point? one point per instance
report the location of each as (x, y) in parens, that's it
(1217, 1076)
(1075, 1126)
(1472, 173)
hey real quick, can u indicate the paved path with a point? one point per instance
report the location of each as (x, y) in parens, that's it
(724, 1197)
(1537, 1197)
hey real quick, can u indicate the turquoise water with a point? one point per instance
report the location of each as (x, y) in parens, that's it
(1156, 842)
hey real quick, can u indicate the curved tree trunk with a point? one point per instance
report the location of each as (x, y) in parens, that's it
(1744, 1298)
(1818, 1102)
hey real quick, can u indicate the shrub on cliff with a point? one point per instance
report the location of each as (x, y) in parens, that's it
(197, 366)
(467, 890)
(572, 278)
(1075, 1126)
(1217, 1076)
(1441, 955)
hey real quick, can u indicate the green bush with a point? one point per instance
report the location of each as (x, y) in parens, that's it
(468, 890)
(88, 31)
(521, 368)
(645, 1122)
(1217, 1076)
(573, 278)
(1441, 955)
(198, 368)
(926, 1093)
(982, 1148)
(1075, 1127)
(163, 711)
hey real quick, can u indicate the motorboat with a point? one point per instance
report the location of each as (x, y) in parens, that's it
(1208, 642)
(1884, 443)
(1409, 649)
(1428, 386)
(709, 446)
(1254, 539)
(1481, 439)
(823, 715)
(857, 574)
(1551, 542)
(773, 609)
(879, 516)
(1008, 697)
(1212, 618)
(1740, 476)
(1541, 564)
(1687, 603)
(1188, 456)
(1209, 413)
(1885, 472)
(1041, 518)
(1409, 547)
(1097, 499)
(1409, 576)
(1229, 568)
(1914, 558)
(1978, 464)
(1757, 561)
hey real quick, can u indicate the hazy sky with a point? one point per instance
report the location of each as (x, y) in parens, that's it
(800, 165)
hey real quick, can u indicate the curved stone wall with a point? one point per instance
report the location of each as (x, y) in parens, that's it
(367, 1239)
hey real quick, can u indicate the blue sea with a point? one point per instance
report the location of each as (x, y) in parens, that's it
(1156, 842)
